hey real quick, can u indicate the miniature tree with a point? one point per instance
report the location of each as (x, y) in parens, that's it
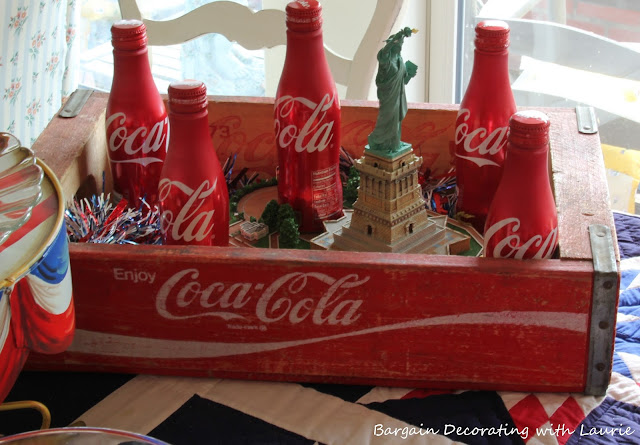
(289, 234)
(285, 212)
(270, 215)
(252, 219)
(350, 191)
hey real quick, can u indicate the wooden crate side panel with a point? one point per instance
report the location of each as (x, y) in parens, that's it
(244, 127)
(39, 362)
(328, 316)
(75, 148)
(580, 185)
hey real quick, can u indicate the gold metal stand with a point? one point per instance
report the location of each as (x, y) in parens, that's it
(30, 404)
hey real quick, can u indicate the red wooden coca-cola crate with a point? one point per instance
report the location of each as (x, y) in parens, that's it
(393, 319)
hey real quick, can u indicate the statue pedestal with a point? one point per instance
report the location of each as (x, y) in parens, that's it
(389, 215)
(389, 154)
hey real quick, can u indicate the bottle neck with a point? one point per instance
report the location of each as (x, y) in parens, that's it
(131, 67)
(187, 128)
(490, 69)
(526, 164)
(304, 46)
(306, 71)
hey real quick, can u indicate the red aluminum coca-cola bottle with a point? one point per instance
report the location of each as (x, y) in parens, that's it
(194, 201)
(307, 122)
(137, 124)
(522, 221)
(481, 125)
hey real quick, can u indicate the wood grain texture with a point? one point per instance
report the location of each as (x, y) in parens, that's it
(579, 183)
(244, 126)
(75, 148)
(330, 316)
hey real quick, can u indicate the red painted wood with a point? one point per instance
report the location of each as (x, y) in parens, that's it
(579, 184)
(244, 126)
(75, 148)
(415, 320)
(325, 316)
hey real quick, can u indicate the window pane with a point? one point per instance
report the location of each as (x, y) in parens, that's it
(225, 67)
(569, 52)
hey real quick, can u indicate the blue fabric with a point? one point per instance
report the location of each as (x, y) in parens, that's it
(348, 393)
(628, 234)
(203, 422)
(612, 422)
(455, 416)
(53, 266)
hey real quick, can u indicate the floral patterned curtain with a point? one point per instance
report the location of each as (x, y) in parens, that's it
(37, 63)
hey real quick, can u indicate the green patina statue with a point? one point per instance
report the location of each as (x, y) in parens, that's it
(393, 75)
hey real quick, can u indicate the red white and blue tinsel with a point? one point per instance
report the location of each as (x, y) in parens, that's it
(97, 220)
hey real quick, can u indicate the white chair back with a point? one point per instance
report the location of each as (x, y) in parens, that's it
(266, 29)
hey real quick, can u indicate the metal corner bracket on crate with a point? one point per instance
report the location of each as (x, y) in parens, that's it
(603, 309)
(587, 122)
(73, 105)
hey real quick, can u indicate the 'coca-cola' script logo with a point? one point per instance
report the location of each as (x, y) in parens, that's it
(511, 245)
(153, 141)
(478, 140)
(193, 222)
(291, 297)
(316, 133)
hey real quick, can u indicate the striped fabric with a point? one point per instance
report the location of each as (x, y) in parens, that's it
(36, 309)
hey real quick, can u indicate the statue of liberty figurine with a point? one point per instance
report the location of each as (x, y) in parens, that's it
(393, 75)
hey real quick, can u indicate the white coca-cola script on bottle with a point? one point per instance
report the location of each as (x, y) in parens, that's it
(183, 296)
(316, 126)
(484, 145)
(192, 222)
(513, 247)
(153, 141)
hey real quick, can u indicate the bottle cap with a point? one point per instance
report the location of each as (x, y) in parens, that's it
(492, 36)
(129, 35)
(187, 96)
(529, 129)
(304, 15)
